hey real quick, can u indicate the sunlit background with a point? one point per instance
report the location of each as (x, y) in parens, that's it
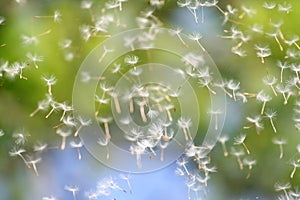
(60, 45)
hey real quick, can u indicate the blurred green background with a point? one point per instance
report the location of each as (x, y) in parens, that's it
(18, 97)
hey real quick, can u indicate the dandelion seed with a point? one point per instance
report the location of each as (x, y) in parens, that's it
(184, 3)
(129, 97)
(134, 135)
(18, 152)
(249, 162)
(2, 20)
(105, 89)
(101, 25)
(49, 198)
(270, 80)
(276, 39)
(222, 85)
(112, 4)
(33, 162)
(240, 52)
(283, 187)
(182, 163)
(12, 71)
(262, 52)
(168, 108)
(167, 135)
(136, 72)
(85, 31)
(138, 151)
(296, 164)
(205, 82)
(242, 97)
(56, 16)
(256, 121)
(269, 5)
(179, 171)
(263, 97)
(177, 32)
(105, 121)
(293, 41)
(66, 108)
(238, 153)
(295, 68)
(129, 42)
(28, 40)
(285, 7)
(86, 77)
(157, 102)
(40, 147)
(282, 66)
(106, 51)
(104, 142)
(240, 140)
(277, 27)
(280, 142)
(42, 105)
(231, 10)
(149, 14)
(148, 144)
(236, 34)
(271, 115)
(233, 86)
(51, 80)
(113, 185)
(20, 137)
(192, 9)
(215, 113)
(83, 122)
(184, 124)
(65, 44)
(257, 28)
(54, 106)
(21, 67)
(141, 105)
(127, 179)
(157, 3)
(117, 70)
(102, 100)
(223, 140)
(283, 89)
(295, 193)
(163, 146)
(86, 4)
(1, 133)
(292, 53)
(193, 61)
(116, 101)
(34, 58)
(196, 37)
(132, 60)
(73, 190)
(69, 121)
(190, 184)
(64, 134)
(152, 114)
(78, 145)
